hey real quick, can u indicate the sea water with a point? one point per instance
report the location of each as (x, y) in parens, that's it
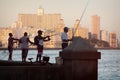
(16, 56)
(108, 65)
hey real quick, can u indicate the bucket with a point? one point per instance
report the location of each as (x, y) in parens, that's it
(46, 59)
(59, 60)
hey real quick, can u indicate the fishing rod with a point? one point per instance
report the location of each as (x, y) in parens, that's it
(50, 36)
(81, 18)
(48, 31)
(53, 35)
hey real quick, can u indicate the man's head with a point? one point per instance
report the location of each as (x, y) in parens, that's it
(25, 34)
(66, 29)
(10, 34)
(40, 32)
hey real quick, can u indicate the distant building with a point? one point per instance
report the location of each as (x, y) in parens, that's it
(89, 35)
(80, 31)
(104, 35)
(4, 34)
(51, 24)
(17, 29)
(95, 27)
(113, 39)
(40, 11)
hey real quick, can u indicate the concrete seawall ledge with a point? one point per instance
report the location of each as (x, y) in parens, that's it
(45, 72)
(81, 55)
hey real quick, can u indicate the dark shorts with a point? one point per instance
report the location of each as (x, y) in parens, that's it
(24, 53)
(40, 51)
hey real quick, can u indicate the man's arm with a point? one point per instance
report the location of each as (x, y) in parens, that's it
(15, 40)
(47, 38)
(36, 41)
(30, 41)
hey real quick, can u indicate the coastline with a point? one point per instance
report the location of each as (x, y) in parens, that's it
(32, 48)
(108, 48)
(59, 48)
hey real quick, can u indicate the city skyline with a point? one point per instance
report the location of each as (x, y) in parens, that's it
(32, 22)
(109, 13)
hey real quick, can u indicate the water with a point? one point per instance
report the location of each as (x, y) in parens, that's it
(31, 54)
(108, 65)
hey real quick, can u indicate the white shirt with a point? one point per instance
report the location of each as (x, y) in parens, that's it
(41, 42)
(24, 42)
(64, 36)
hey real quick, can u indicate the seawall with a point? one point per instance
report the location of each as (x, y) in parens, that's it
(41, 72)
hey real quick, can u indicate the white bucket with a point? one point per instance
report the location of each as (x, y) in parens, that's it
(59, 60)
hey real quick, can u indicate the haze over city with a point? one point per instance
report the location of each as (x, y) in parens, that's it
(108, 10)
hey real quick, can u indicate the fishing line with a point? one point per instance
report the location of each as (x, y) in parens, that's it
(81, 17)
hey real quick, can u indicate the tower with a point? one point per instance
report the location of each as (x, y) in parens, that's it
(95, 27)
(40, 11)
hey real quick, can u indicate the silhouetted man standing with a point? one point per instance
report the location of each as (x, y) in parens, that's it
(64, 38)
(11, 41)
(24, 45)
(39, 41)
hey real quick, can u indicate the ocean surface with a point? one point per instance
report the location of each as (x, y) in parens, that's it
(108, 65)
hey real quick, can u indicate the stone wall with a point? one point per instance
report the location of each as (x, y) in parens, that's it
(51, 72)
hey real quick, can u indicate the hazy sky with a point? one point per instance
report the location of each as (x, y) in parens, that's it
(108, 10)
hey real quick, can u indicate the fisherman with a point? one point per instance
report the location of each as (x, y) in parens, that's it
(11, 41)
(64, 38)
(24, 45)
(39, 41)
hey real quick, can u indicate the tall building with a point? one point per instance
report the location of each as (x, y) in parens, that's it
(80, 31)
(113, 39)
(4, 34)
(40, 11)
(104, 35)
(76, 26)
(95, 27)
(51, 24)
